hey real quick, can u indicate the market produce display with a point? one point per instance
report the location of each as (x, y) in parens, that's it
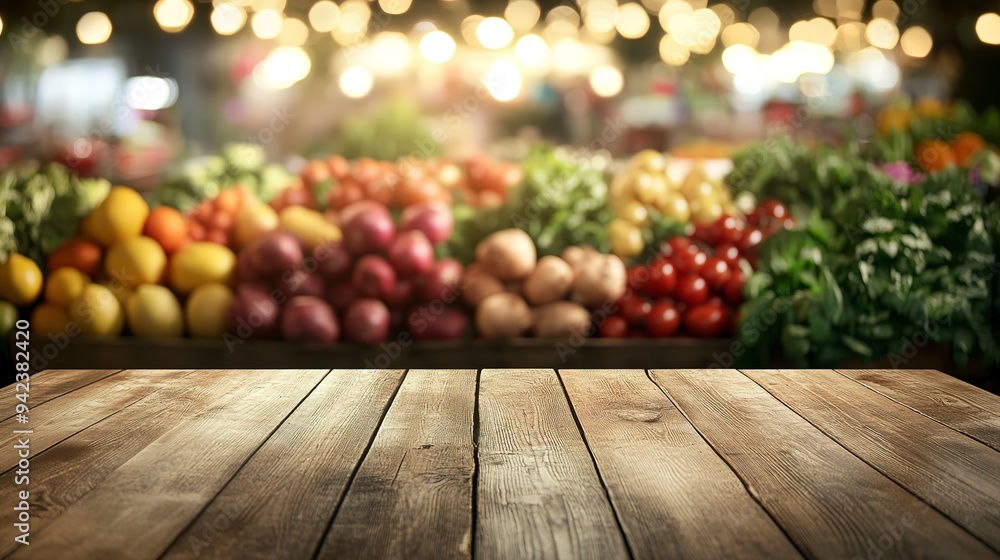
(643, 195)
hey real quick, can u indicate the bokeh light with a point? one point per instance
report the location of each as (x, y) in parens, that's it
(93, 28)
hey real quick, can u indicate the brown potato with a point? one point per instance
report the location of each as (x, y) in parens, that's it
(503, 316)
(550, 281)
(509, 254)
(561, 319)
(602, 279)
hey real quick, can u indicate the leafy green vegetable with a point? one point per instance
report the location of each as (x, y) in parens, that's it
(41, 207)
(240, 165)
(562, 201)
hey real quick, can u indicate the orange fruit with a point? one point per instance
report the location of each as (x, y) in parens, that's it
(79, 253)
(228, 201)
(168, 227)
(934, 155)
(967, 145)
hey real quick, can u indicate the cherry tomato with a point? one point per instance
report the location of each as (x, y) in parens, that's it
(638, 277)
(750, 239)
(733, 290)
(726, 229)
(706, 233)
(633, 308)
(773, 209)
(678, 245)
(662, 279)
(729, 253)
(614, 327)
(663, 320)
(692, 290)
(716, 272)
(706, 320)
(688, 262)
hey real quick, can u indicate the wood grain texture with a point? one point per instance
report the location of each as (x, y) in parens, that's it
(412, 496)
(78, 464)
(954, 473)
(539, 494)
(51, 383)
(138, 510)
(305, 467)
(62, 417)
(950, 401)
(829, 502)
(675, 497)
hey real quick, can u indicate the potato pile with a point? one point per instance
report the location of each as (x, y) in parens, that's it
(515, 293)
(643, 187)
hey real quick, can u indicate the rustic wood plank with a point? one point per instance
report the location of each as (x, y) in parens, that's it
(143, 505)
(67, 471)
(412, 496)
(956, 474)
(829, 502)
(539, 495)
(313, 455)
(950, 401)
(64, 416)
(675, 497)
(51, 383)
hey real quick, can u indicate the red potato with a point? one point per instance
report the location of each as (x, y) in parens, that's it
(443, 281)
(373, 277)
(309, 319)
(433, 218)
(366, 321)
(368, 231)
(333, 262)
(411, 254)
(275, 253)
(301, 283)
(246, 272)
(401, 295)
(450, 324)
(253, 315)
(341, 295)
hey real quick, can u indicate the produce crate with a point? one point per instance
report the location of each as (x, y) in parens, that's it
(139, 353)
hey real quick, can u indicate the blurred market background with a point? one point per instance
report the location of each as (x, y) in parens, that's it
(248, 183)
(124, 89)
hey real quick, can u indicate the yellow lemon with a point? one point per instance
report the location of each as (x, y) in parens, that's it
(65, 285)
(206, 310)
(201, 263)
(49, 318)
(153, 311)
(98, 312)
(136, 261)
(121, 216)
(20, 280)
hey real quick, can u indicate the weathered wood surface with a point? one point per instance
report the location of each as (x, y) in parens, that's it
(539, 493)
(505, 463)
(952, 402)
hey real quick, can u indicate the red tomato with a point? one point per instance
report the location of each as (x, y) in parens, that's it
(662, 279)
(750, 239)
(716, 272)
(339, 167)
(706, 233)
(614, 327)
(729, 253)
(692, 290)
(688, 262)
(633, 308)
(773, 209)
(344, 194)
(706, 320)
(726, 229)
(678, 245)
(733, 290)
(663, 320)
(638, 276)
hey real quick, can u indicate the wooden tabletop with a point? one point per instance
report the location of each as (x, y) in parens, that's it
(496, 463)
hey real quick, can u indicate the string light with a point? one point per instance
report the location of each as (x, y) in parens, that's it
(494, 33)
(228, 18)
(606, 81)
(323, 16)
(356, 82)
(266, 24)
(173, 15)
(916, 42)
(437, 47)
(93, 28)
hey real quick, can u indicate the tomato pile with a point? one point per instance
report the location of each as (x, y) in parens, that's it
(695, 284)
